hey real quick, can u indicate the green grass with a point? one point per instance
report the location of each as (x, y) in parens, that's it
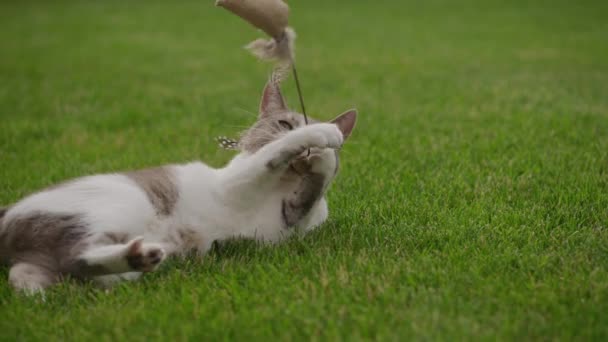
(472, 202)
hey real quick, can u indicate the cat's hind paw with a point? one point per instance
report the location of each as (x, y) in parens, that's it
(144, 257)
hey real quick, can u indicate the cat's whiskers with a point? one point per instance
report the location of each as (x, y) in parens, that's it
(243, 110)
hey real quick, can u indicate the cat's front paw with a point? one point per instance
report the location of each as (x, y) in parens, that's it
(334, 136)
(323, 135)
(144, 257)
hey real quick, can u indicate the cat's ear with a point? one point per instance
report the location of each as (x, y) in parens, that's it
(346, 122)
(272, 101)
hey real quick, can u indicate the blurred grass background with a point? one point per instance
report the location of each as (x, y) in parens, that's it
(472, 201)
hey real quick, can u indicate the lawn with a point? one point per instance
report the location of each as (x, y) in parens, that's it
(472, 202)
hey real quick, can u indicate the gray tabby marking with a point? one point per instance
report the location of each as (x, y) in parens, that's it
(268, 129)
(47, 240)
(159, 185)
(303, 198)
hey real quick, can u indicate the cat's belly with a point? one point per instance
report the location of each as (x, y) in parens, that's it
(216, 221)
(263, 221)
(266, 223)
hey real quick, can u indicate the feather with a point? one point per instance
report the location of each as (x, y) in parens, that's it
(281, 51)
(227, 143)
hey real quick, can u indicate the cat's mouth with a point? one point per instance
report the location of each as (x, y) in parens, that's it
(303, 163)
(300, 167)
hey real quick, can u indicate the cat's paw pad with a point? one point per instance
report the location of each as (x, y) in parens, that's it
(144, 257)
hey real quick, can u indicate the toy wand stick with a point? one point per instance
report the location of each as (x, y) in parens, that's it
(295, 77)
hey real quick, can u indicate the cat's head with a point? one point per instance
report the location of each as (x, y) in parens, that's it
(276, 119)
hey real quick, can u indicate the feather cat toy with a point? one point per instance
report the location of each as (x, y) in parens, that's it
(270, 16)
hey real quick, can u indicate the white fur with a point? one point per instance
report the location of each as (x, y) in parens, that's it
(243, 199)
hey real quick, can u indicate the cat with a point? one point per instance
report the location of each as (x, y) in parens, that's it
(114, 227)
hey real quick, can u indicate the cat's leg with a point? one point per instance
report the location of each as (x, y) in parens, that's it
(31, 278)
(266, 166)
(277, 155)
(134, 255)
(322, 135)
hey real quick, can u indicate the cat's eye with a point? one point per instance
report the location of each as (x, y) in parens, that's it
(285, 124)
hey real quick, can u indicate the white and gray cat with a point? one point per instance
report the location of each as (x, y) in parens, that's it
(112, 227)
